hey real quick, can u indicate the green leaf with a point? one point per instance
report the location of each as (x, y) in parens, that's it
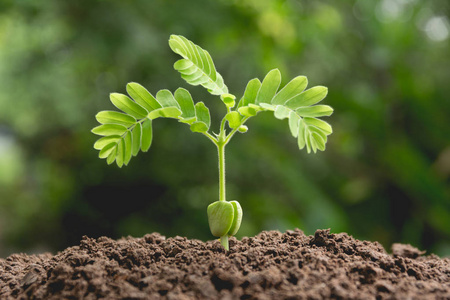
(128, 143)
(315, 111)
(319, 141)
(136, 133)
(104, 153)
(199, 127)
(120, 153)
(114, 117)
(147, 135)
(166, 99)
(197, 67)
(269, 87)
(202, 113)
(267, 106)
(185, 102)
(102, 142)
(282, 112)
(250, 93)
(322, 125)
(185, 65)
(308, 97)
(112, 156)
(109, 129)
(292, 89)
(142, 96)
(247, 111)
(293, 123)
(229, 100)
(312, 133)
(234, 119)
(188, 120)
(128, 106)
(301, 134)
(165, 112)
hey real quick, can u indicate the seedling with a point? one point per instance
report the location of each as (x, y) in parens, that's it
(126, 133)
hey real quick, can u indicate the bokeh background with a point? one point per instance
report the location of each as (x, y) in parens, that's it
(384, 176)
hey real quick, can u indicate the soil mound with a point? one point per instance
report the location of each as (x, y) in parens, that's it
(271, 265)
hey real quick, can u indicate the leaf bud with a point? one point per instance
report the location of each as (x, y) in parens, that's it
(228, 99)
(243, 129)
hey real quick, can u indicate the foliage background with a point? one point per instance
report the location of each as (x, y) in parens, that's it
(384, 175)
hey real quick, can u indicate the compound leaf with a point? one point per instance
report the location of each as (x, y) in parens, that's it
(197, 66)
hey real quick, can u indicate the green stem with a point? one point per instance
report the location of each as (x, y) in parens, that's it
(221, 152)
(230, 135)
(209, 136)
(222, 190)
(224, 242)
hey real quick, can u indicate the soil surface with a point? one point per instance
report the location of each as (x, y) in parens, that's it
(271, 265)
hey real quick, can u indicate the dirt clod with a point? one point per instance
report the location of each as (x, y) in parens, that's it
(271, 265)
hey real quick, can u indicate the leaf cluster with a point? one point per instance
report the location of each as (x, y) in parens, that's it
(126, 133)
(292, 102)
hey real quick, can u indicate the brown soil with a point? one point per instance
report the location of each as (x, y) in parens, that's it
(272, 265)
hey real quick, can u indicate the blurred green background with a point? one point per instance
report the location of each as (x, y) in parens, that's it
(384, 175)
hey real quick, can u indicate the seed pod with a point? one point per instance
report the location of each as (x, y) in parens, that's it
(220, 217)
(237, 209)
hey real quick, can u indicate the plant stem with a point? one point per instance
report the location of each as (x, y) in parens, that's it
(221, 152)
(224, 242)
(222, 190)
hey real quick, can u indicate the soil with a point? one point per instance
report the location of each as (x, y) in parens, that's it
(271, 265)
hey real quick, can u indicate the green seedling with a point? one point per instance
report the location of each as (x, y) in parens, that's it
(126, 133)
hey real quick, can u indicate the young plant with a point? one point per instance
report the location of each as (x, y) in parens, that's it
(125, 133)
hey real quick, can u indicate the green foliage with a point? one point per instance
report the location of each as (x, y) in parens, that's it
(197, 66)
(125, 133)
(134, 127)
(384, 175)
(291, 102)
